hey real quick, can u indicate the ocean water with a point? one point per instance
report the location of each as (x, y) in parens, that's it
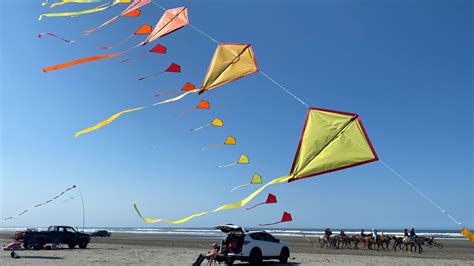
(213, 233)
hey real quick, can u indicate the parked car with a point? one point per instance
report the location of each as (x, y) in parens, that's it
(101, 233)
(55, 235)
(252, 246)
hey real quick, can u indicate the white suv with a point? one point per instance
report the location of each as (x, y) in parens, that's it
(252, 246)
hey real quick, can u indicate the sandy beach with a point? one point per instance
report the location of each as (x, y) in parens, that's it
(153, 249)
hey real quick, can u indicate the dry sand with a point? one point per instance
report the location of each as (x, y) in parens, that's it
(151, 249)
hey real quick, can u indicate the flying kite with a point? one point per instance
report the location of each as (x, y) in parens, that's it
(144, 29)
(230, 62)
(230, 140)
(243, 159)
(41, 204)
(87, 11)
(201, 105)
(216, 123)
(330, 141)
(173, 68)
(271, 199)
(256, 179)
(186, 87)
(157, 49)
(172, 20)
(285, 218)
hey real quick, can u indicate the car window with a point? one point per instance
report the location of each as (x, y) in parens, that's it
(269, 237)
(51, 228)
(61, 229)
(257, 236)
(70, 230)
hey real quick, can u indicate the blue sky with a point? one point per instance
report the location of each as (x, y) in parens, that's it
(404, 66)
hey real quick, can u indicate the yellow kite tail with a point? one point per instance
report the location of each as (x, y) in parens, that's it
(83, 12)
(234, 205)
(106, 121)
(73, 1)
(241, 186)
(115, 116)
(468, 234)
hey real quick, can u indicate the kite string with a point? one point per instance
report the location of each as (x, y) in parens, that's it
(305, 104)
(419, 192)
(261, 72)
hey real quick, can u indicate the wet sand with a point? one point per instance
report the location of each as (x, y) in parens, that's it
(153, 249)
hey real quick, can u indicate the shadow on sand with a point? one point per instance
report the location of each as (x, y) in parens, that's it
(41, 257)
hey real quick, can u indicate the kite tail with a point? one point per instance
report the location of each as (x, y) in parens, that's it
(72, 1)
(130, 59)
(152, 75)
(270, 223)
(45, 3)
(234, 205)
(106, 121)
(165, 93)
(213, 147)
(83, 60)
(261, 203)
(78, 13)
(227, 165)
(115, 116)
(22, 212)
(241, 186)
(40, 35)
(186, 112)
(117, 44)
(199, 128)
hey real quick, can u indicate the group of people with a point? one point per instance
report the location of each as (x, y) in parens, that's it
(375, 235)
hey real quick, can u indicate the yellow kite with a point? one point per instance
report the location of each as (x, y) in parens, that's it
(330, 141)
(216, 123)
(256, 179)
(230, 140)
(243, 159)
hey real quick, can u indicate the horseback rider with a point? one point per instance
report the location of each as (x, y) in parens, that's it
(405, 233)
(375, 235)
(413, 235)
(327, 233)
(362, 234)
(342, 234)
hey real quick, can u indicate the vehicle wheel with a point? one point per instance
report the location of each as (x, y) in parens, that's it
(284, 255)
(26, 245)
(440, 245)
(71, 245)
(255, 257)
(82, 244)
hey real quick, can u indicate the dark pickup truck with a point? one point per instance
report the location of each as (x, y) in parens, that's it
(54, 235)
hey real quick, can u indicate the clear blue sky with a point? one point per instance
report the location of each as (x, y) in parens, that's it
(404, 66)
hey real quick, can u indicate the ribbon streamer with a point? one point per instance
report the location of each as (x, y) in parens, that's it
(230, 140)
(216, 123)
(144, 29)
(243, 159)
(73, 1)
(271, 199)
(173, 68)
(158, 49)
(285, 218)
(83, 12)
(201, 105)
(234, 205)
(117, 115)
(41, 204)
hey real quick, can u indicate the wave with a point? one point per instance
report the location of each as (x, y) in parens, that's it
(210, 232)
